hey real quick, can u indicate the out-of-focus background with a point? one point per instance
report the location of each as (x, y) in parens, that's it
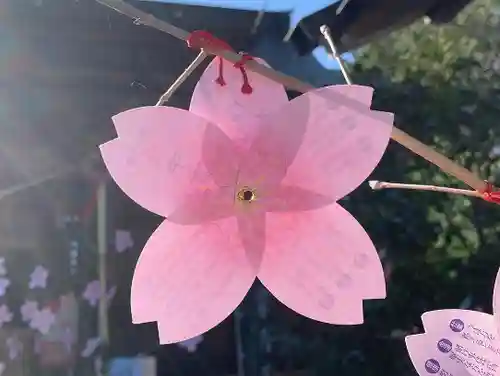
(67, 66)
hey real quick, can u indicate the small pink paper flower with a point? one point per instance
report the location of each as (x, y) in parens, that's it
(15, 347)
(5, 315)
(4, 284)
(43, 320)
(28, 310)
(38, 278)
(458, 342)
(93, 293)
(123, 240)
(248, 185)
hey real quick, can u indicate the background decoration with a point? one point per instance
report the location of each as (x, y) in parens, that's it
(38, 279)
(93, 292)
(5, 315)
(90, 347)
(4, 284)
(123, 240)
(191, 344)
(3, 269)
(28, 310)
(42, 320)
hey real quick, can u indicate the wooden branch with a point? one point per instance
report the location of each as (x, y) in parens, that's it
(378, 185)
(183, 77)
(426, 152)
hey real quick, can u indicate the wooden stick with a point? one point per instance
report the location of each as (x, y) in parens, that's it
(325, 30)
(377, 185)
(183, 77)
(398, 135)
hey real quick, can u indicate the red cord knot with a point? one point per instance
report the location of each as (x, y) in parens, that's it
(491, 195)
(203, 39)
(245, 88)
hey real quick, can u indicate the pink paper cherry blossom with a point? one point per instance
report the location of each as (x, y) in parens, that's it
(15, 347)
(5, 315)
(4, 284)
(458, 342)
(43, 320)
(93, 293)
(29, 309)
(248, 185)
(38, 278)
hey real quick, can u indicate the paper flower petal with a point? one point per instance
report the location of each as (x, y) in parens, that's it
(467, 338)
(156, 156)
(428, 360)
(285, 198)
(322, 264)
(252, 233)
(208, 205)
(496, 301)
(190, 278)
(220, 156)
(329, 148)
(236, 113)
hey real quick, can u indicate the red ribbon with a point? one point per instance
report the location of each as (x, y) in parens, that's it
(203, 39)
(490, 195)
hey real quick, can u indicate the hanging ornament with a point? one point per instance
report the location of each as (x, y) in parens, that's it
(123, 241)
(28, 310)
(5, 315)
(191, 344)
(93, 293)
(38, 278)
(42, 320)
(458, 342)
(4, 284)
(249, 188)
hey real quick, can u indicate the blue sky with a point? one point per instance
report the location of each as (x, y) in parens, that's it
(298, 10)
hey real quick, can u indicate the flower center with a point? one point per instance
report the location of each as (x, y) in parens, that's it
(246, 194)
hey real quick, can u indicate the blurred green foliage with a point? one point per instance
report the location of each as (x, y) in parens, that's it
(442, 251)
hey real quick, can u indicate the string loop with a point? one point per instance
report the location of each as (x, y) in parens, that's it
(490, 195)
(204, 40)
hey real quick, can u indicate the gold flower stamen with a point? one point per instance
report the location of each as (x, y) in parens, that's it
(246, 194)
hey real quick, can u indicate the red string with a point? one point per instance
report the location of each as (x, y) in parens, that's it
(203, 39)
(490, 195)
(245, 88)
